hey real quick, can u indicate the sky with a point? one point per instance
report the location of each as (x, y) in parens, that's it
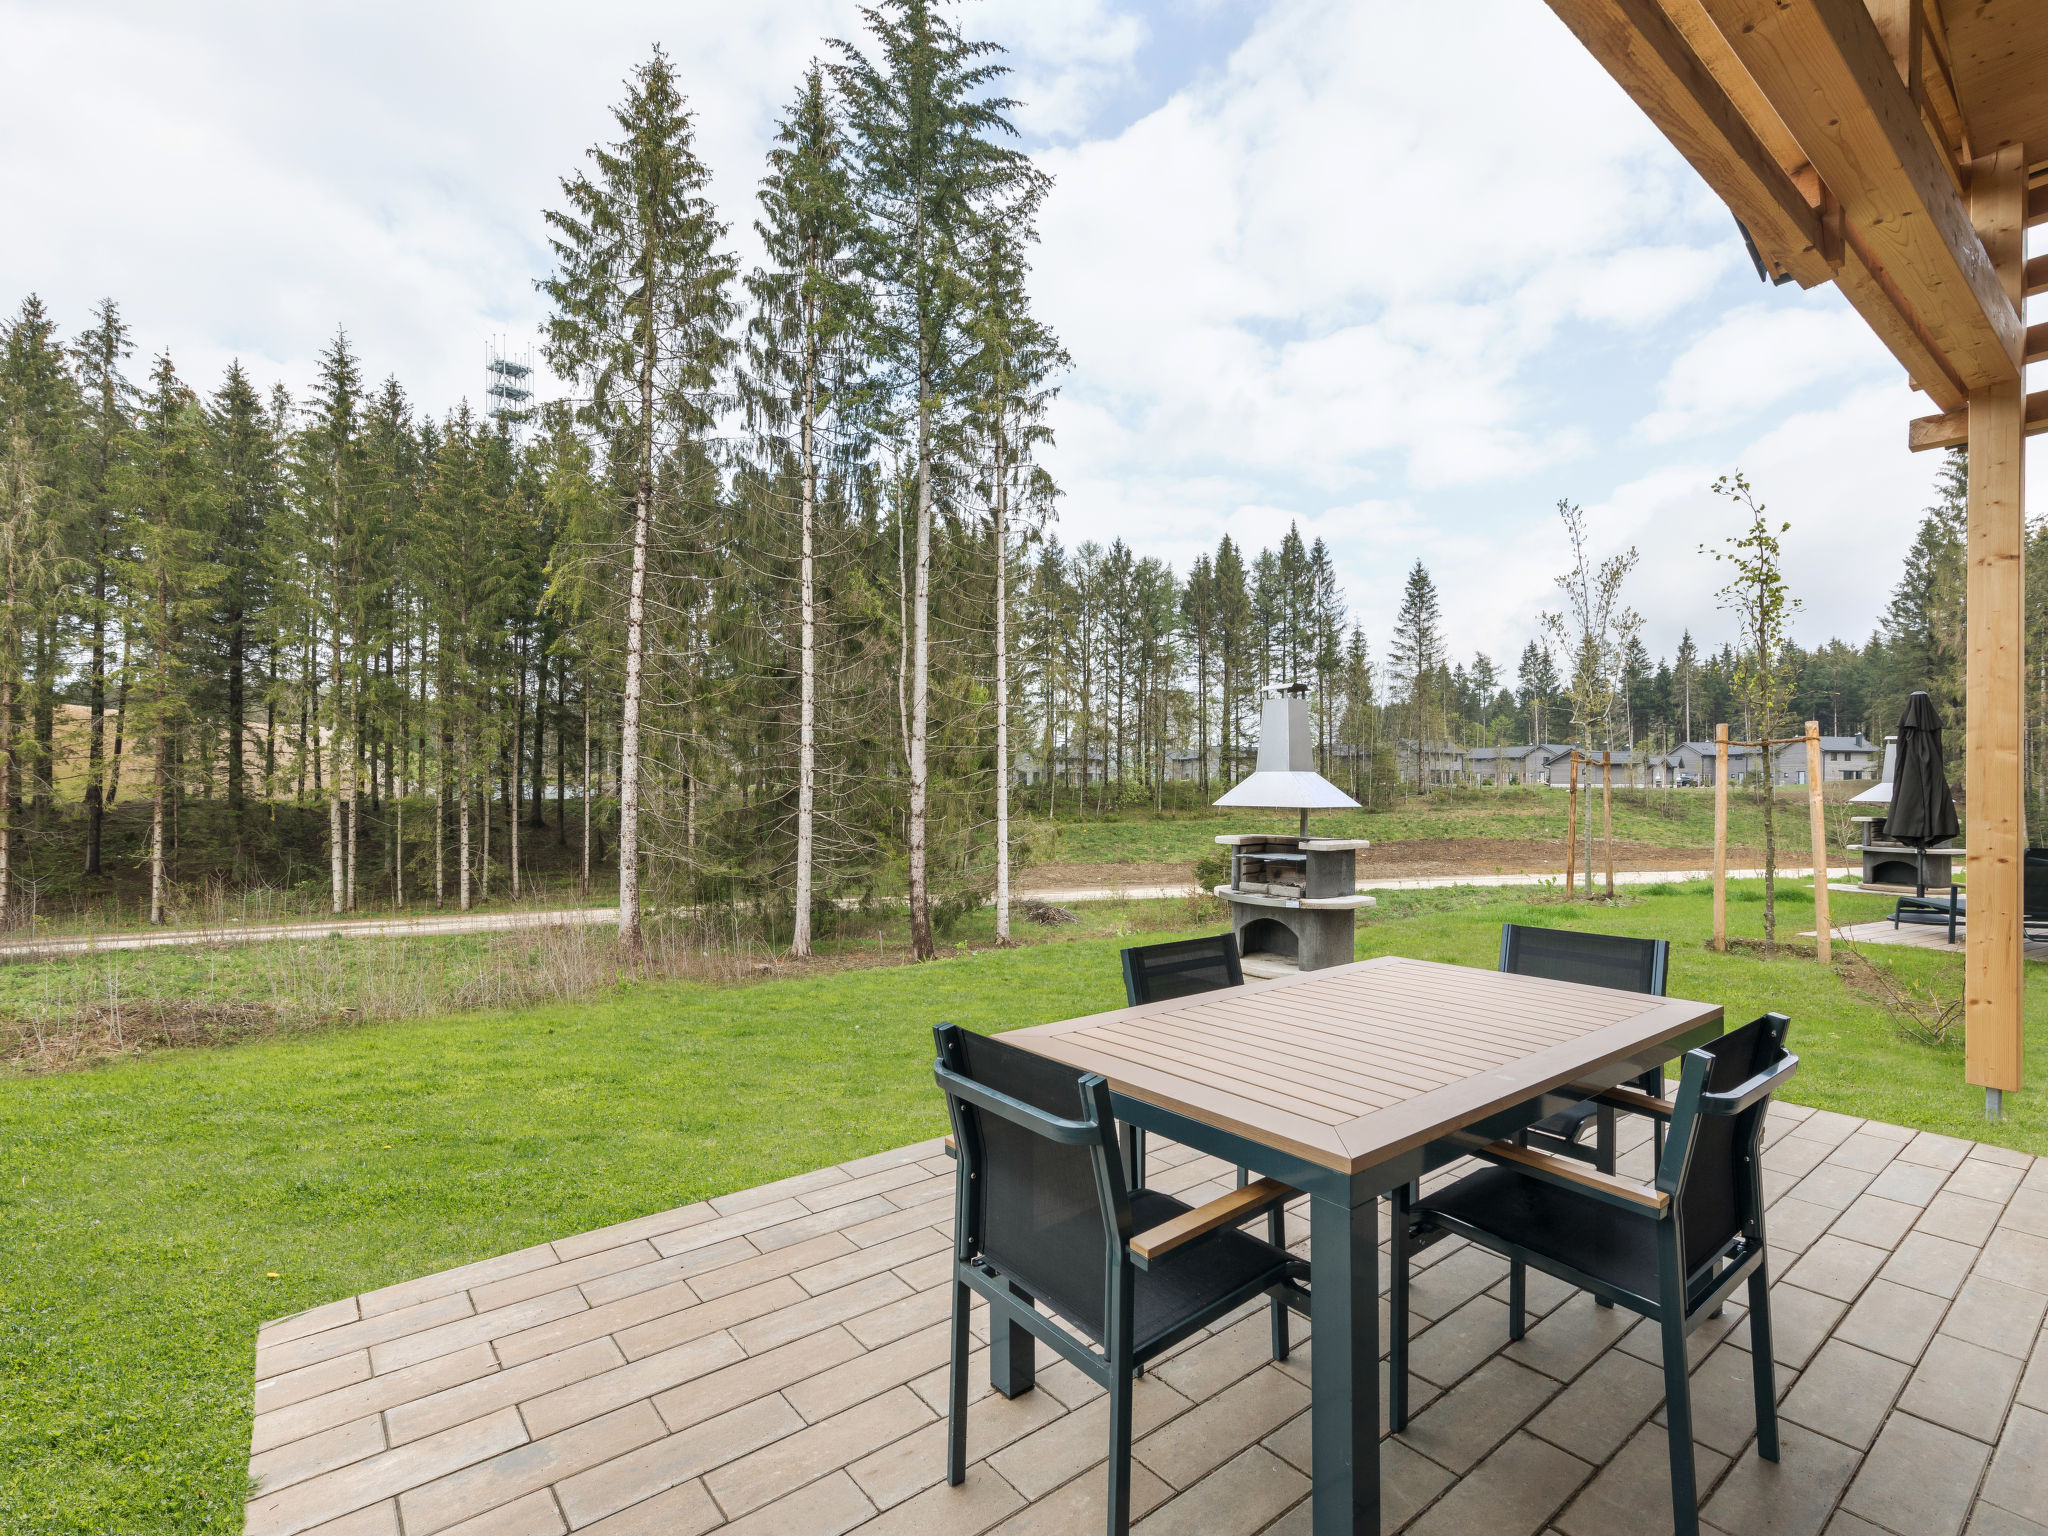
(1404, 275)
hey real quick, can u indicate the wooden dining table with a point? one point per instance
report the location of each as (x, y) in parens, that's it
(1349, 1083)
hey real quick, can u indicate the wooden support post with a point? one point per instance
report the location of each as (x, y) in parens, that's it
(1817, 816)
(1571, 831)
(1721, 838)
(1994, 667)
(1607, 814)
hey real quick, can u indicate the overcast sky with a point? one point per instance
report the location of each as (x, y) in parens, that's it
(1404, 274)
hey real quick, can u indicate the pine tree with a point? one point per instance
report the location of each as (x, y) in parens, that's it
(931, 171)
(30, 555)
(246, 470)
(642, 304)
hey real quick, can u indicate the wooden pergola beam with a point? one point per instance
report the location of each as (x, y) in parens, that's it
(1826, 71)
(1951, 429)
(1653, 62)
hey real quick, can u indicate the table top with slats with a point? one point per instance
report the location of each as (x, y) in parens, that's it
(1356, 1064)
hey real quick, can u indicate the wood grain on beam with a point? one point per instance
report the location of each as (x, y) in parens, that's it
(1637, 44)
(2036, 279)
(1951, 429)
(1826, 71)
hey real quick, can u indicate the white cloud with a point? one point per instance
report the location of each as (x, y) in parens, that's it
(1758, 357)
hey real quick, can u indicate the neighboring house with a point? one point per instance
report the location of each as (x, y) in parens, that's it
(1186, 767)
(1507, 765)
(1841, 758)
(1441, 763)
(1695, 760)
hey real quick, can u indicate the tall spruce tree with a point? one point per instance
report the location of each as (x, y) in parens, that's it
(931, 171)
(108, 416)
(642, 302)
(803, 382)
(1418, 652)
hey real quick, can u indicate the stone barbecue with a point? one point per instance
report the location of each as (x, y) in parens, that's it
(1293, 899)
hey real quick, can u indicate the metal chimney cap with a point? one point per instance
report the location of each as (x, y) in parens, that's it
(1286, 779)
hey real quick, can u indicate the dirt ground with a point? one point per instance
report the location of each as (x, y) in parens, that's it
(1423, 857)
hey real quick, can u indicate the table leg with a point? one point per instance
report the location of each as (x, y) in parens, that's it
(1345, 1308)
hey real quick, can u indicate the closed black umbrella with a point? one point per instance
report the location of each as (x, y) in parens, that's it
(1923, 811)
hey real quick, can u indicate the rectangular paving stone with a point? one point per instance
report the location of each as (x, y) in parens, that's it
(2018, 1481)
(1990, 1520)
(1069, 1445)
(1996, 1315)
(702, 1234)
(1943, 1152)
(649, 1227)
(855, 1263)
(1595, 1416)
(371, 1331)
(2018, 1258)
(685, 1510)
(537, 1282)
(856, 1374)
(323, 1452)
(484, 1327)
(1984, 1179)
(1919, 1477)
(370, 1394)
(1795, 1223)
(1931, 1264)
(376, 1520)
(1083, 1505)
(1960, 1218)
(657, 1320)
(1460, 1428)
(1787, 1497)
(1908, 1183)
(1724, 1399)
(1963, 1386)
(1571, 1338)
(916, 1462)
(555, 1406)
(488, 1391)
(315, 1380)
(804, 1455)
(1184, 1450)
(1236, 1499)
(1512, 1493)
(919, 1310)
(318, 1319)
(472, 1491)
(1461, 1343)
(305, 1505)
(1893, 1319)
(1633, 1491)
(695, 1401)
(661, 1462)
(410, 1293)
(2034, 1385)
(533, 1515)
(1831, 1185)
(827, 1508)
(975, 1506)
(781, 1189)
(813, 1314)
(1846, 1393)
(754, 1267)
(2027, 1211)
(1836, 1267)
(1873, 1219)
(837, 1219)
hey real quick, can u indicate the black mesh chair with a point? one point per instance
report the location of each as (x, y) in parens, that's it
(1596, 960)
(1673, 1251)
(1157, 973)
(1153, 973)
(1044, 1220)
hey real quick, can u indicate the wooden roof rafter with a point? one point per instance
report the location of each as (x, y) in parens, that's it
(1783, 104)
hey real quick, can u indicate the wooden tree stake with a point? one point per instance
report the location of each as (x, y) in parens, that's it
(1571, 830)
(1721, 838)
(1607, 814)
(1823, 930)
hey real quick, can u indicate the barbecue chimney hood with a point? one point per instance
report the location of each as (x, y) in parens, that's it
(1286, 778)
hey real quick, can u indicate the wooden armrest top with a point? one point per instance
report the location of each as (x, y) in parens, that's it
(1566, 1171)
(1223, 1211)
(1635, 1101)
(952, 1147)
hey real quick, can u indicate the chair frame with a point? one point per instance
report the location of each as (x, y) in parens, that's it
(1015, 1321)
(1684, 1299)
(1133, 962)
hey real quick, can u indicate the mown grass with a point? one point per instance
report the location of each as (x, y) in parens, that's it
(156, 1210)
(1673, 818)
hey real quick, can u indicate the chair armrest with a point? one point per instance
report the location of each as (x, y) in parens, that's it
(952, 1148)
(1156, 1243)
(1635, 1101)
(1573, 1175)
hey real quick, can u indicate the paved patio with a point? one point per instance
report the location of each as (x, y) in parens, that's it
(1920, 936)
(774, 1361)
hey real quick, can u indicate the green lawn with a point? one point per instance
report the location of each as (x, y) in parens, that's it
(147, 1204)
(1677, 818)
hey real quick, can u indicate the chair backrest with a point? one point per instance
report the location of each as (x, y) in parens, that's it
(1155, 972)
(1710, 1165)
(1046, 1195)
(1595, 959)
(2034, 885)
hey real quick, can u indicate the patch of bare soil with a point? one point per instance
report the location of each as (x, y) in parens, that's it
(1420, 858)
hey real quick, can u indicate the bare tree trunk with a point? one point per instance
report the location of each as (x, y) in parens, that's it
(586, 790)
(120, 728)
(463, 899)
(921, 945)
(96, 749)
(807, 716)
(1607, 815)
(629, 732)
(6, 777)
(398, 856)
(1002, 697)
